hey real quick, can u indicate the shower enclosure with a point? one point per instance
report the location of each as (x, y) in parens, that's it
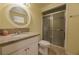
(54, 28)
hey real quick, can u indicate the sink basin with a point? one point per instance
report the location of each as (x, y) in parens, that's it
(12, 37)
(15, 34)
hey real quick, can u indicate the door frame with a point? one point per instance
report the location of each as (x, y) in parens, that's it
(66, 22)
(66, 27)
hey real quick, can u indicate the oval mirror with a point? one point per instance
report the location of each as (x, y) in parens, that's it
(19, 15)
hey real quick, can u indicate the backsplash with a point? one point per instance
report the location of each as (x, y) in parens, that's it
(10, 31)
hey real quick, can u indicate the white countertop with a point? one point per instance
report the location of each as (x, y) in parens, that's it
(15, 37)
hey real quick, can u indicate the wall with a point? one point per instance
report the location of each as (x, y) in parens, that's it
(36, 23)
(3, 21)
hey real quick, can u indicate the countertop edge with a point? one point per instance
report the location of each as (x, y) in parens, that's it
(19, 39)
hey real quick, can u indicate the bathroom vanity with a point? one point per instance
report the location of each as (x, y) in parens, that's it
(19, 44)
(18, 16)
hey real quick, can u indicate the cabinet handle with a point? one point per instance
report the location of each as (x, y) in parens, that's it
(25, 49)
(28, 48)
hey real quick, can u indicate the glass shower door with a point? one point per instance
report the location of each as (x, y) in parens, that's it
(54, 28)
(58, 29)
(47, 29)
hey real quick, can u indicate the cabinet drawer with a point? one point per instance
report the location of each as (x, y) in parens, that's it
(20, 52)
(33, 39)
(19, 45)
(14, 46)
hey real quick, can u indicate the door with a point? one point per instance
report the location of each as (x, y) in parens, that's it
(33, 49)
(54, 28)
(58, 28)
(47, 29)
(72, 41)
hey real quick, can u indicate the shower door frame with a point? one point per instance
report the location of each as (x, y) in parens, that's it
(65, 14)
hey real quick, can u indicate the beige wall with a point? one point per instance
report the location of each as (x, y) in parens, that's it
(36, 22)
(3, 21)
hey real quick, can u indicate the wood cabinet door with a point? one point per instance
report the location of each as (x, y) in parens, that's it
(25, 47)
(29, 49)
(20, 52)
(33, 49)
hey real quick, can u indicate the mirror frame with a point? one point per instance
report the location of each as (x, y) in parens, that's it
(25, 8)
